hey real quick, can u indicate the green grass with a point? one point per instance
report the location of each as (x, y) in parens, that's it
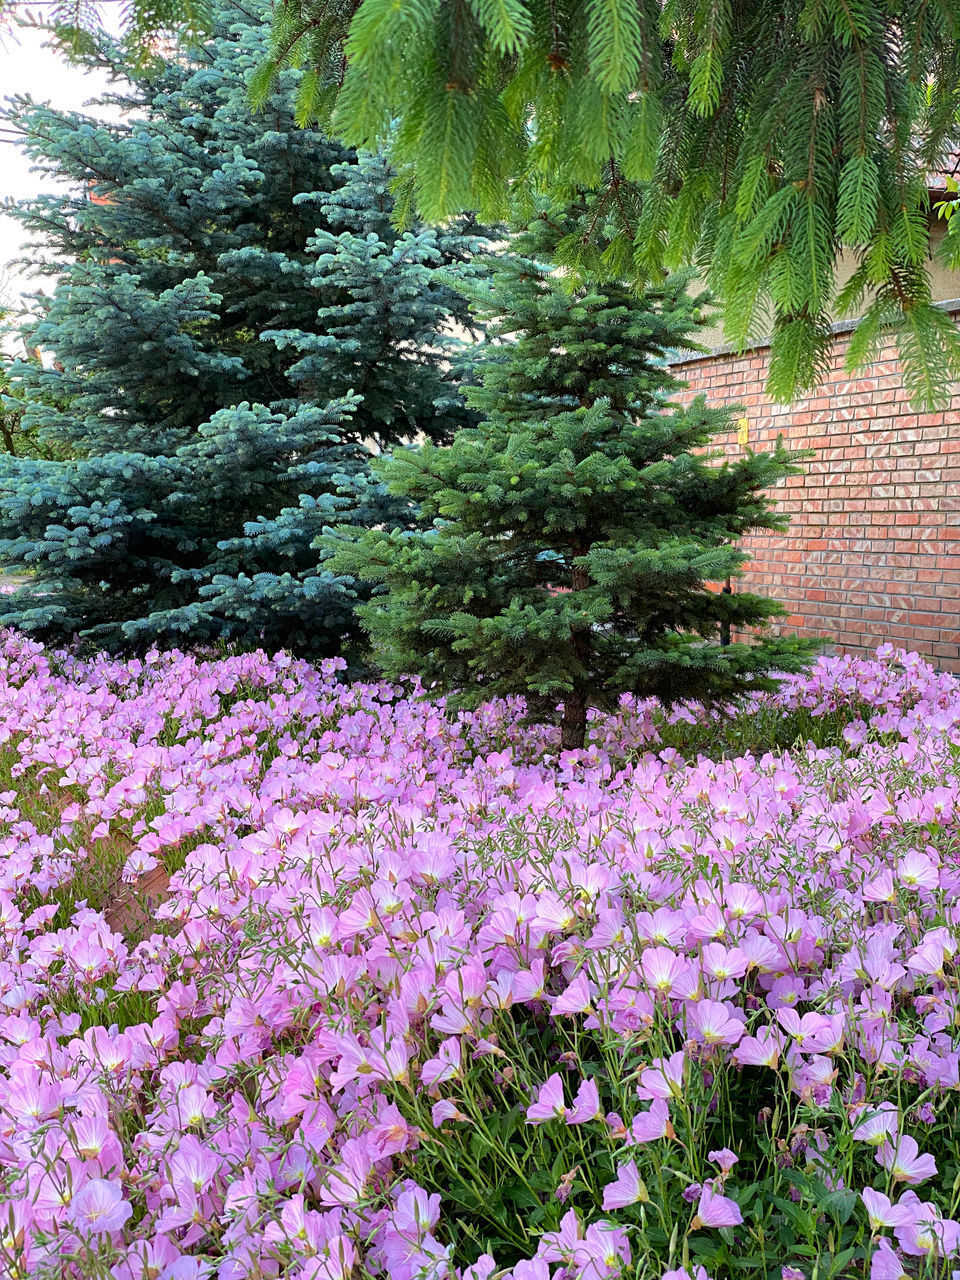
(122, 1009)
(757, 731)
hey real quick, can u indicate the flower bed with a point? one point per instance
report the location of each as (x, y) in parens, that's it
(303, 979)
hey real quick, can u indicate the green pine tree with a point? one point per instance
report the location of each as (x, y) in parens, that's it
(577, 529)
(16, 440)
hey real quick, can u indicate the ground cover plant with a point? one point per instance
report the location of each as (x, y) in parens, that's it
(306, 978)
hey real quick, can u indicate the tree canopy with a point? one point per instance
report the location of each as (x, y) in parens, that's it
(761, 141)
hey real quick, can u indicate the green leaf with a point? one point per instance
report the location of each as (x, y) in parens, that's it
(929, 345)
(261, 83)
(757, 237)
(839, 1204)
(706, 70)
(799, 1217)
(449, 136)
(639, 157)
(844, 1257)
(752, 188)
(614, 47)
(858, 199)
(866, 341)
(799, 355)
(377, 24)
(506, 22)
(308, 96)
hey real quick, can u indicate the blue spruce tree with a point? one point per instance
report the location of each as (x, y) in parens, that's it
(236, 329)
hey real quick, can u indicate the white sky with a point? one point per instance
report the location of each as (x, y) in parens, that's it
(26, 66)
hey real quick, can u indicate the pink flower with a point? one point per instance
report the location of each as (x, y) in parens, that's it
(392, 1134)
(416, 1211)
(381, 1059)
(929, 956)
(530, 1269)
(710, 923)
(723, 963)
(530, 984)
(813, 1032)
(928, 1232)
(725, 1158)
(879, 888)
(603, 1253)
(575, 999)
(761, 1050)
(714, 1022)
(336, 1262)
(882, 1211)
(482, 1269)
(345, 1182)
(877, 1125)
(193, 1106)
(667, 973)
(445, 1110)
(904, 1162)
(663, 1078)
(445, 1066)
(99, 1207)
(559, 1246)
(301, 1227)
(885, 1265)
(625, 1190)
(193, 1165)
(715, 1210)
(663, 925)
(586, 1105)
(650, 1125)
(549, 1104)
(916, 871)
(94, 1140)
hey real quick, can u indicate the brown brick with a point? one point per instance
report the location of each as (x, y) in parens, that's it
(873, 551)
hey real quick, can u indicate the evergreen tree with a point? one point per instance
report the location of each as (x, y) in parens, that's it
(577, 528)
(237, 326)
(14, 438)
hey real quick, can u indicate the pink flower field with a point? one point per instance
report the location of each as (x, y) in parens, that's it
(305, 978)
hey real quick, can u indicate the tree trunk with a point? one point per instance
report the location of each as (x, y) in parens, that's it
(573, 726)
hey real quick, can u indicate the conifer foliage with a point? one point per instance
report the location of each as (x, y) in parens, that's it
(759, 138)
(236, 326)
(762, 140)
(576, 530)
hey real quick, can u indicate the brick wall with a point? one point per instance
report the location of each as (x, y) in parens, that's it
(873, 550)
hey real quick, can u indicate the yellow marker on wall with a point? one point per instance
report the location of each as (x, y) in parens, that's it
(743, 430)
